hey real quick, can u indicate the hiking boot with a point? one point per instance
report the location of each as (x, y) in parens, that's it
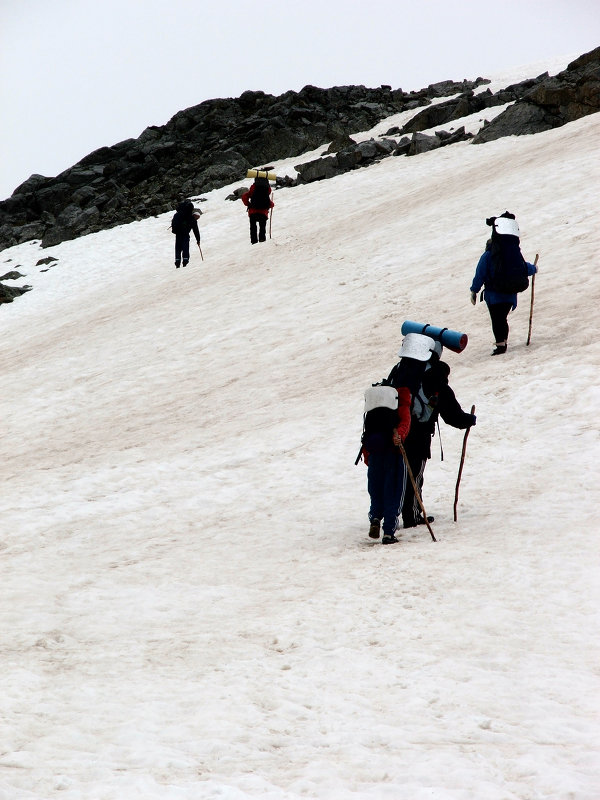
(412, 523)
(186, 261)
(374, 529)
(389, 538)
(499, 350)
(177, 265)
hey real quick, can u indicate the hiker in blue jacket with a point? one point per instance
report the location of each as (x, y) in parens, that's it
(503, 272)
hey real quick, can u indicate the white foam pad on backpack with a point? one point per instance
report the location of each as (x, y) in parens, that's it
(381, 397)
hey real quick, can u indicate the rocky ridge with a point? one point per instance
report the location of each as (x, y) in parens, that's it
(212, 145)
(201, 148)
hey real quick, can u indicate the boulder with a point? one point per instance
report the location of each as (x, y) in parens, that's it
(8, 293)
(422, 143)
(341, 142)
(13, 275)
(367, 150)
(237, 193)
(318, 169)
(516, 120)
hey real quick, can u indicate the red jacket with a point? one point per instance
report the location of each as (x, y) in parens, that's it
(246, 199)
(404, 400)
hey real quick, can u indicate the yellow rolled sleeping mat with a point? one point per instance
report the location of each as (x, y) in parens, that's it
(260, 173)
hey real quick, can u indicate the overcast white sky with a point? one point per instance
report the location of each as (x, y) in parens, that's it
(79, 74)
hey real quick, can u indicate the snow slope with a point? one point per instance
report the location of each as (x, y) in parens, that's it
(190, 605)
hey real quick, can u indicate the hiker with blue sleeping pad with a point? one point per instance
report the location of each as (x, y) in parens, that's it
(503, 273)
(434, 399)
(386, 424)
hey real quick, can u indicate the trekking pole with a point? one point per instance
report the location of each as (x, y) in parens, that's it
(532, 292)
(460, 469)
(270, 222)
(199, 248)
(415, 489)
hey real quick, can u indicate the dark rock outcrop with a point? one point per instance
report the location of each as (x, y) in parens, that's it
(13, 275)
(551, 102)
(465, 104)
(366, 153)
(213, 144)
(201, 148)
(8, 293)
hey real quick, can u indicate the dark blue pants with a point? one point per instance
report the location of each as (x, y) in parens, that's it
(386, 481)
(499, 315)
(182, 246)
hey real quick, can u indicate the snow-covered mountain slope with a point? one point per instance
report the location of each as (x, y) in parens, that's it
(191, 607)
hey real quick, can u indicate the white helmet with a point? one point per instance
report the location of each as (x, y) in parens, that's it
(417, 346)
(504, 226)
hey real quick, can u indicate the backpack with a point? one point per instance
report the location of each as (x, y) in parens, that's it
(380, 417)
(181, 222)
(423, 406)
(176, 223)
(381, 409)
(509, 268)
(425, 402)
(260, 195)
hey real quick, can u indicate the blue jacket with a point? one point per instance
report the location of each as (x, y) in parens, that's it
(483, 274)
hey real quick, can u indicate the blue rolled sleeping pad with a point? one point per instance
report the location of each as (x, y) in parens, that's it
(453, 340)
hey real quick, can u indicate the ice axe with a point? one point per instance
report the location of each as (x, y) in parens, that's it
(199, 248)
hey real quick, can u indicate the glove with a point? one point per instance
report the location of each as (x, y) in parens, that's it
(474, 418)
(474, 298)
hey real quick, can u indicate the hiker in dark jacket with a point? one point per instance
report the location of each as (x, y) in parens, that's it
(184, 221)
(386, 473)
(259, 203)
(434, 399)
(505, 233)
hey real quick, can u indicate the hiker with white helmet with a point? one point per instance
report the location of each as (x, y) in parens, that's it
(386, 426)
(503, 272)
